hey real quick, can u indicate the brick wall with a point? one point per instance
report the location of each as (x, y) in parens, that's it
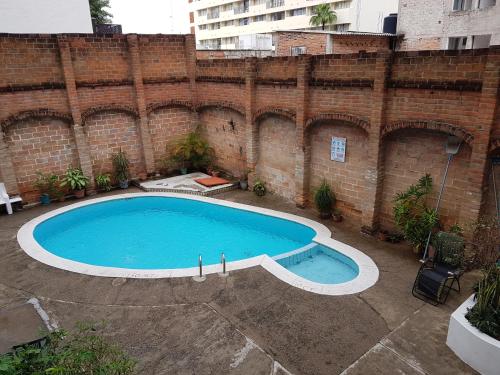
(166, 126)
(318, 43)
(107, 133)
(276, 160)
(39, 145)
(74, 99)
(225, 130)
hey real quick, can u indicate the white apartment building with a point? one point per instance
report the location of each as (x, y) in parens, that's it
(45, 16)
(448, 24)
(231, 24)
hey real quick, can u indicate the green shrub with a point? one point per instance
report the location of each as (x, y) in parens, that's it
(192, 151)
(75, 179)
(485, 314)
(103, 182)
(450, 248)
(412, 215)
(121, 166)
(83, 352)
(259, 188)
(47, 183)
(324, 199)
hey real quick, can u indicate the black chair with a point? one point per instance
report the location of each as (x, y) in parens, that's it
(439, 273)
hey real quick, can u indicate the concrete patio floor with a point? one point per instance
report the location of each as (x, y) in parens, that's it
(249, 322)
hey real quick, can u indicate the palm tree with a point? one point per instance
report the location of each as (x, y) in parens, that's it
(323, 15)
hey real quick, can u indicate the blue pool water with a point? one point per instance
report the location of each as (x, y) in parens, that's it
(166, 233)
(322, 265)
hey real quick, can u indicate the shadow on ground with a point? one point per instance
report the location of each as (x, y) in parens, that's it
(249, 322)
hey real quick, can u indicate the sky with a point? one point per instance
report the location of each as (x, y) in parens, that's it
(151, 16)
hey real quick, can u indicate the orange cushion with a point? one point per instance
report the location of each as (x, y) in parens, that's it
(211, 181)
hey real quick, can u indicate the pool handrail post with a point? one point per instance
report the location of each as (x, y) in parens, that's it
(200, 265)
(223, 261)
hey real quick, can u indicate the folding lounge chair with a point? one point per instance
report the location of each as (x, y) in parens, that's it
(5, 199)
(441, 270)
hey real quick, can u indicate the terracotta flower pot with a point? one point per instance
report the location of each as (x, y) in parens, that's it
(79, 193)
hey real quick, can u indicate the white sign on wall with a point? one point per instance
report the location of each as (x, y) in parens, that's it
(338, 149)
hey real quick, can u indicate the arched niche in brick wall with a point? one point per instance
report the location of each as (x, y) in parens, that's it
(220, 104)
(413, 151)
(346, 178)
(36, 113)
(169, 121)
(108, 129)
(262, 113)
(225, 130)
(438, 126)
(339, 118)
(40, 140)
(276, 150)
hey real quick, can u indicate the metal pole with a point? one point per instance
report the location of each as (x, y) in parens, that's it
(495, 189)
(450, 156)
(223, 261)
(200, 266)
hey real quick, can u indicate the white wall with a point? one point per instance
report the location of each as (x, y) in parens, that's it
(427, 24)
(370, 14)
(45, 16)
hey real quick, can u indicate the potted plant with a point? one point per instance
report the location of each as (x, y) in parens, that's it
(382, 235)
(394, 237)
(337, 215)
(244, 180)
(412, 215)
(192, 151)
(121, 167)
(324, 199)
(47, 184)
(76, 180)
(103, 182)
(60, 193)
(259, 188)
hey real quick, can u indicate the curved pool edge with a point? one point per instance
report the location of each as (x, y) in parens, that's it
(368, 271)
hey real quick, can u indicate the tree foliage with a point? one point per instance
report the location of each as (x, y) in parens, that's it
(98, 11)
(322, 16)
(412, 215)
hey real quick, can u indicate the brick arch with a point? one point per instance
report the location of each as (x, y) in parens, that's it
(221, 104)
(169, 104)
(439, 126)
(331, 116)
(109, 108)
(266, 111)
(37, 113)
(494, 145)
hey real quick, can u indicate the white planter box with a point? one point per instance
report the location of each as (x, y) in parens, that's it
(478, 350)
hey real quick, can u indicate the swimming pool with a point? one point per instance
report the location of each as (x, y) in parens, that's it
(148, 235)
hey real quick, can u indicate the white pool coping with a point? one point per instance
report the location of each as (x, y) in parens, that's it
(368, 271)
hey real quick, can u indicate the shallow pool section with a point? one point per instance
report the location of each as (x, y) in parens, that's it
(157, 235)
(320, 265)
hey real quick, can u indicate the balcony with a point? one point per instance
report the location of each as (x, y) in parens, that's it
(213, 15)
(241, 9)
(274, 3)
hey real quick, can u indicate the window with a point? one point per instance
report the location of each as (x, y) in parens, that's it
(456, 43)
(277, 16)
(243, 21)
(202, 12)
(341, 27)
(202, 27)
(481, 41)
(462, 5)
(481, 4)
(298, 12)
(228, 23)
(259, 18)
(228, 7)
(300, 50)
(342, 5)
